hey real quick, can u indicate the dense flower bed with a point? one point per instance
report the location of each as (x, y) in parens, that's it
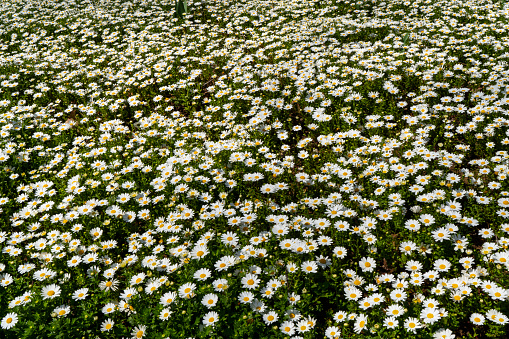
(256, 169)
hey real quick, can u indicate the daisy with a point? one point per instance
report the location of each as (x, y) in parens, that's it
(309, 267)
(187, 290)
(280, 229)
(62, 311)
(6, 279)
(302, 326)
(113, 211)
(107, 325)
(90, 258)
(139, 332)
(50, 292)
(442, 265)
(427, 219)
(352, 293)
(258, 306)
(324, 240)
(438, 290)
(210, 318)
(168, 298)
(323, 262)
(340, 316)
(293, 314)
(398, 295)
(220, 285)
(497, 317)
(407, 247)
(209, 300)
(367, 264)
(165, 314)
(395, 310)
(412, 324)
(224, 263)
(293, 298)
(332, 332)
(386, 277)
(441, 234)
(152, 286)
(267, 292)
(16, 302)
(246, 297)
(286, 244)
(250, 281)
(366, 303)
(128, 293)
(444, 333)
(202, 274)
(477, 319)
(77, 228)
(137, 279)
(413, 265)
(430, 303)
(108, 285)
(496, 293)
(270, 317)
(430, 315)
(340, 252)
(109, 308)
(9, 321)
(230, 238)
(80, 294)
(391, 322)
(267, 189)
(199, 252)
(287, 327)
(360, 323)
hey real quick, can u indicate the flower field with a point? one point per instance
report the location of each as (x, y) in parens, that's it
(254, 169)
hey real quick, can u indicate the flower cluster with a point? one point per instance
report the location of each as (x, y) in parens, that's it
(297, 169)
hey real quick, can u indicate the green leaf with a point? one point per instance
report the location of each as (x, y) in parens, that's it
(180, 7)
(405, 38)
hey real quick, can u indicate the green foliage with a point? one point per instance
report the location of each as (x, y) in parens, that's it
(180, 8)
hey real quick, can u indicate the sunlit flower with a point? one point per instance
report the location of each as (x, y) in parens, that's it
(287, 327)
(165, 314)
(139, 332)
(412, 324)
(367, 264)
(50, 292)
(361, 322)
(246, 297)
(477, 319)
(210, 318)
(107, 325)
(9, 321)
